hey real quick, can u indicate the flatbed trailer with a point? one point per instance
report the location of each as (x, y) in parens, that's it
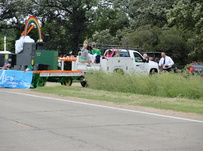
(64, 77)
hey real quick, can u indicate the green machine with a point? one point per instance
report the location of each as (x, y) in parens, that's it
(46, 59)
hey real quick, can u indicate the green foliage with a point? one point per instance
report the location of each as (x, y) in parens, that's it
(144, 12)
(138, 22)
(173, 42)
(10, 40)
(104, 37)
(145, 37)
(68, 16)
(163, 85)
(170, 40)
(187, 15)
(57, 37)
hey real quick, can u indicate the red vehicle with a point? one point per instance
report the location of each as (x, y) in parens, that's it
(196, 68)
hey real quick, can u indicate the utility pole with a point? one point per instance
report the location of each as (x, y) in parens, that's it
(4, 43)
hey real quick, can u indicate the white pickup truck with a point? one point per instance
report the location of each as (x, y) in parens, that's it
(123, 60)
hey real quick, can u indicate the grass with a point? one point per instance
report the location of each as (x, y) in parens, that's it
(175, 104)
(163, 85)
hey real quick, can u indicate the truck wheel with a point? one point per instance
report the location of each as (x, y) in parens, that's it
(153, 71)
(119, 71)
(67, 82)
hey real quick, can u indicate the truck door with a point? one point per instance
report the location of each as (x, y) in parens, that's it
(139, 65)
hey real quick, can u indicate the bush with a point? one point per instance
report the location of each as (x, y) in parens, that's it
(163, 84)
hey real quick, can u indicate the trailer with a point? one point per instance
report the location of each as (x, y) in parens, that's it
(64, 77)
(34, 65)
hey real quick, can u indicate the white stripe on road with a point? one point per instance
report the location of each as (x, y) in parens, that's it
(107, 107)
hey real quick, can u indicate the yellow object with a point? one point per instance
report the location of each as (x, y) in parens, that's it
(32, 62)
(6, 56)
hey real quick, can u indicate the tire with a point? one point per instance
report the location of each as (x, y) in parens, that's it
(42, 82)
(153, 71)
(83, 82)
(119, 71)
(67, 82)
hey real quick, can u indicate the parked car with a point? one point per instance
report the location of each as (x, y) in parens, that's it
(154, 56)
(196, 67)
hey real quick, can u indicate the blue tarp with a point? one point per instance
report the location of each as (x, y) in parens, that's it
(15, 79)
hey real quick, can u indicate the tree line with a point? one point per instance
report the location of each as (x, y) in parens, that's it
(173, 26)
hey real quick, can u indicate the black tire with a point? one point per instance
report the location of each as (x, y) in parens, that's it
(67, 82)
(83, 82)
(119, 71)
(42, 82)
(153, 71)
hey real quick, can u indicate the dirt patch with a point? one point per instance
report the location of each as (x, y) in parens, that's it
(112, 104)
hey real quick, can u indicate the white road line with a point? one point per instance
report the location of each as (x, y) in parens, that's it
(107, 107)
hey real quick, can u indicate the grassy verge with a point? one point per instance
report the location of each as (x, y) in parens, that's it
(175, 104)
(162, 85)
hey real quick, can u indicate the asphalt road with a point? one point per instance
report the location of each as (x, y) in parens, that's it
(35, 123)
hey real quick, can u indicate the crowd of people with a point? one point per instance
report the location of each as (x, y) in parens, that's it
(92, 54)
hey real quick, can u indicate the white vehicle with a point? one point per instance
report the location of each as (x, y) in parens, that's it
(123, 60)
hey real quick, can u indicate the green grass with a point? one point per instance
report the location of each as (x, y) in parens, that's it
(176, 104)
(162, 85)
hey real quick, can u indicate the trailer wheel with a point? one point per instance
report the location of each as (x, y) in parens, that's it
(83, 81)
(67, 82)
(83, 84)
(42, 82)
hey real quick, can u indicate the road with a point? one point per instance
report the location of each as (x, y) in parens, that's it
(38, 123)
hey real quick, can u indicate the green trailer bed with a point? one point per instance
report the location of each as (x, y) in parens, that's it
(64, 77)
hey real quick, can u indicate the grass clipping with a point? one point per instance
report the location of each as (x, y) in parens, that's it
(167, 84)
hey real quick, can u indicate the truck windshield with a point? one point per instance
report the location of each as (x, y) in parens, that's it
(122, 53)
(137, 56)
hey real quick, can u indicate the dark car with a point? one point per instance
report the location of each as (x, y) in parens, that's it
(154, 56)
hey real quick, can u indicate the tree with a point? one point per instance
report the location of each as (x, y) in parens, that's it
(175, 43)
(144, 12)
(188, 16)
(172, 41)
(105, 16)
(66, 16)
(104, 37)
(69, 17)
(145, 37)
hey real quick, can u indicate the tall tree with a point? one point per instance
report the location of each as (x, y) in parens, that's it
(188, 16)
(66, 16)
(143, 12)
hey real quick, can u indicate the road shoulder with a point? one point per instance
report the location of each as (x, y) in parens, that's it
(113, 104)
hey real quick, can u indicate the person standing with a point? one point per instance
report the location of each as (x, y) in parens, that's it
(96, 52)
(84, 58)
(166, 62)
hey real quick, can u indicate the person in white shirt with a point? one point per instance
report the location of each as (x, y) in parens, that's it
(166, 62)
